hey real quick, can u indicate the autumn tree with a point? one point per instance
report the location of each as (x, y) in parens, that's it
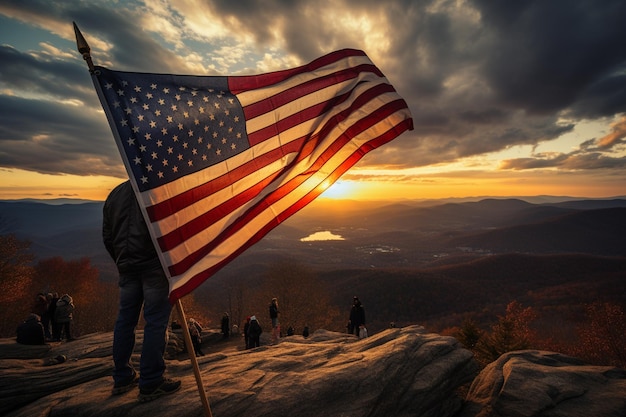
(15, 278)
(95, 301)
(511, 332)
(468, 334)
(603, 336)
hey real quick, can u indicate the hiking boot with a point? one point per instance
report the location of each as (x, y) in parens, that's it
(168, 386)
(125, 385)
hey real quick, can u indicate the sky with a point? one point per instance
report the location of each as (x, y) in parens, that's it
(515, 98)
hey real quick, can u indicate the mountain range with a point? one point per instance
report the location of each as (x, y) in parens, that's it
(404, 257)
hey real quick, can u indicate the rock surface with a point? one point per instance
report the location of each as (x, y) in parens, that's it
(404, 372)
(546, 384)
(398, 372)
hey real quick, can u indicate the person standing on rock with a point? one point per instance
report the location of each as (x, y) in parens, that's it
(142, 283)
(357, 316)
(63, 316)
(274, 318)
(254, 333)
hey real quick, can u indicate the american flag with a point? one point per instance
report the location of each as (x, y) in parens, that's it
(218, 162)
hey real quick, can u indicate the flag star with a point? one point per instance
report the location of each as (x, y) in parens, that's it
(120, 92)
(128, 110)
(174, 107)
(208, 146)
(205, 99)
(233, 146)
(186, 114)
(201, 109)
(231, 100)
(144, 179)
(170, 150)
(175, 168)
(175, 138)
(146, 106)
(108, 86)
(194, 93)
(153, 124)
(190, 133)
(159, 143)
(180, 157)
(164, 131)
(149, 95)
(142, 148)
(224, 141)
(161, 101)
(153, 86)
(138, 89)
(157, 112)
(166, 91)
(227, 112)
(212, 117)
(218, 152)
(190, 103)
(125, 83)
(164, 162)
(190, 163)
(131, 141)
(133, 100)
(177, 97)
(214, 135)
(217, 105)
(135, 129)
(116, 104)
(140, 117)
(137, 160)
(196, 122)
(180, 126)
(170, 119)
(149, 167)
(154, 155)
(194, 151)
(124, 122)
(185, 145)
(200, 139)
(204, 157)
(221, 123)
(181, 88)
(206, 128)
(160, 174)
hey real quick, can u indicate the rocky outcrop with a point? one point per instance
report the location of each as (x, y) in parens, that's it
(398, 372)
(404, 372)
(546, 384)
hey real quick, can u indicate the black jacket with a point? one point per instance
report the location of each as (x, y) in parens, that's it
(125, 233)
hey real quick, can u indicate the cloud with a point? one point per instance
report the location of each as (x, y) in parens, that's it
(479, 76)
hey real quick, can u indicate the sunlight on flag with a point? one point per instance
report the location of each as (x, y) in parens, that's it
(218, 162)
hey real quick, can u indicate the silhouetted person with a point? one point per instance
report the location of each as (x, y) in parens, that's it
(142, 283)
(30, 332)
(357, 316)
(254, 333)
(274, 318)
(195, 331)
(63, 316)
(225, 325)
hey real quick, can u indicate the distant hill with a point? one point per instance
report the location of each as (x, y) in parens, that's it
(410, 262)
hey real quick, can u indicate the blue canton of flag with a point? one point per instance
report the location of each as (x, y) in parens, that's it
(171, 126)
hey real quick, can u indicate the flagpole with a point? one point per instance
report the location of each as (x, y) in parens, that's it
(83, 47)
(192, 357)
(85, 50)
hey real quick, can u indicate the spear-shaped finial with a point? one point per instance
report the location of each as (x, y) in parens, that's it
(83, 47)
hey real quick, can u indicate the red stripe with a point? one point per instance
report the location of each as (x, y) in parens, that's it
(294, 93)
(388, 109)
(199, 278)
(239, 84)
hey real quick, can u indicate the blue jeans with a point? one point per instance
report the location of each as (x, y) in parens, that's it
(149, 289)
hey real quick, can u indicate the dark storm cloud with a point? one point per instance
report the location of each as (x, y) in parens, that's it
(479, 76)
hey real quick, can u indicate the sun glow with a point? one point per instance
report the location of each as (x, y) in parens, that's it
(339, 190)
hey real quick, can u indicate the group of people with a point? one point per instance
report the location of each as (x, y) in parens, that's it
(49, 321)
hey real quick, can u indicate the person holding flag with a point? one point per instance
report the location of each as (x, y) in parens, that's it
(142, 283)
